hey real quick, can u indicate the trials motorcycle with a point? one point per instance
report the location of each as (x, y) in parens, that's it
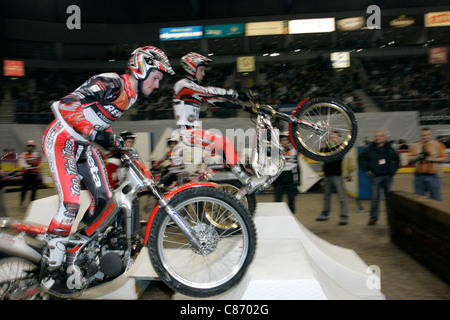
(322, 129)
(201, 241)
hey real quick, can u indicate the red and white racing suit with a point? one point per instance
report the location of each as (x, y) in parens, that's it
(93, 107)
(188, 98)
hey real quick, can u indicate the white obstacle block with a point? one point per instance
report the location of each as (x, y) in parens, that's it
(341, 273)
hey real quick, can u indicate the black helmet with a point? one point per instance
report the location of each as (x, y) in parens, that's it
(127, 135)
(172, 140)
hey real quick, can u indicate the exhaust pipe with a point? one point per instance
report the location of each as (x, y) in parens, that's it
(16, 246)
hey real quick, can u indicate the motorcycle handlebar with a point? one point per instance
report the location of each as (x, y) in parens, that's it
(266, 109)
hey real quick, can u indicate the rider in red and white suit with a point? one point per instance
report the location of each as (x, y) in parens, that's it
(188, 98)
(85, 116)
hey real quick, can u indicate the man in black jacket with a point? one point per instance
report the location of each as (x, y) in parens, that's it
(380, 162)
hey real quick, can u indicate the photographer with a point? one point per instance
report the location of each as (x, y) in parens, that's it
(427, 155)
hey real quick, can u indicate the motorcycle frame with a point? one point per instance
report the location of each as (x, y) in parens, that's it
(139, 179)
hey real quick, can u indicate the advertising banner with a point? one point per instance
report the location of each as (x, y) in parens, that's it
(13, 68)
(437, 55)
(224, 30)
(340, 60)
(437, 19)
(266, 28)
(181, 33)
(311, 25)
(246, 64)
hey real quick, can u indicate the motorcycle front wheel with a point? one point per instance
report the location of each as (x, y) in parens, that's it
(328, 131)
(227, 236)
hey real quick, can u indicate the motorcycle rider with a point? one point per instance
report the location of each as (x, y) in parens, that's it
(81, 118)
(189, 95)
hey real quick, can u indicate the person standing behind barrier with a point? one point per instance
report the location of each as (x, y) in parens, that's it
(29, 161)
(380, 162)
(333, 177)
(427, 156)
(113, 162)
(171, 165)
(289, 179)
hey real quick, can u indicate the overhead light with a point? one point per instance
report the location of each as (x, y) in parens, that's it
(265, 54)
(274, 54)
(210, 54)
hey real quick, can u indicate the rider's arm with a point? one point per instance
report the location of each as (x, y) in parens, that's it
(188, 89)
(92, 92)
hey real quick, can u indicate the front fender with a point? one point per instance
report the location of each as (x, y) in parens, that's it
(290, 124)
(169, 195)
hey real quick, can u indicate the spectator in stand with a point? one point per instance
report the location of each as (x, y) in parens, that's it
(29, 161)
(380, 162)
(427, 155)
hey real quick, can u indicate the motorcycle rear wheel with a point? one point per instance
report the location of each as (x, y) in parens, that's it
(18, 280)
(233, 187)
(225, 254)
(332, 117)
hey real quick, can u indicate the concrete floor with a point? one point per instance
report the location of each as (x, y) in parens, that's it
(402, 277)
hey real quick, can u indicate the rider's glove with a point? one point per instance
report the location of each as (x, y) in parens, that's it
(108, 140)
(249, 109)
(243, 96)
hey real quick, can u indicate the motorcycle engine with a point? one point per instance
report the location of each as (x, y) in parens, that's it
(104, 259)
(111, 259)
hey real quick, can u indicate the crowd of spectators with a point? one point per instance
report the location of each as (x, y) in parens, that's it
(393, 83)
(399, 84)
(286, 83)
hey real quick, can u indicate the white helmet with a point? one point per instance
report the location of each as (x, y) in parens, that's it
(191, 61)
(145, 59)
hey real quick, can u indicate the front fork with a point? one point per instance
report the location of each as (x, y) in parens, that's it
(179, 220)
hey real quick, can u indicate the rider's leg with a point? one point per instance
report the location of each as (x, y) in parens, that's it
(59, 147)
(221, 143)
(92, 168)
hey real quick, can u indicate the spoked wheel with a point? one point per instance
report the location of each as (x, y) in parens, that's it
(227, 237)
(233, 187)
(329, 131)
(18, 280)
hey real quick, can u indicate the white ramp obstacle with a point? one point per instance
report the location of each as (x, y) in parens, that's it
(290, 263)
